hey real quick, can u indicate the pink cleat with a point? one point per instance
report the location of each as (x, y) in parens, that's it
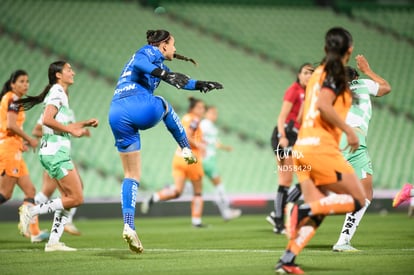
(403, 195)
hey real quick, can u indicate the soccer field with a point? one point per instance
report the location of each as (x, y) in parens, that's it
(243, 246)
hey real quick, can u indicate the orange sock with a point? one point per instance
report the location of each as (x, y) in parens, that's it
(34, 223)
(305, 234)
(197, 209)
(333, 204)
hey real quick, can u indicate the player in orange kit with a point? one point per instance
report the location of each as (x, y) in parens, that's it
(13, 141)
(182, 170)
(318, 161)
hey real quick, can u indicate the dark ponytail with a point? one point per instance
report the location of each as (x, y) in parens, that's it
(193, 102)
(182, 57)
(156, 37)
(12, 79)
(337, 42)
(30, 101)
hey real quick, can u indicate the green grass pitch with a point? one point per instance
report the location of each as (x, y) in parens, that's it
(243, 246)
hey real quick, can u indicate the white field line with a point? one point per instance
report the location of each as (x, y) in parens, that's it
(171, 250)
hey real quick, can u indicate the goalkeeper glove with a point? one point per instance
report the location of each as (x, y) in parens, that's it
(207, 86)
(176, 79)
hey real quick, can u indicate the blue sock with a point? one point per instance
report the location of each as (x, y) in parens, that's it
(128, 199)
(173, 124)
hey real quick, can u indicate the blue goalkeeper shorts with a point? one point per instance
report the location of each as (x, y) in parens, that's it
(128, 115)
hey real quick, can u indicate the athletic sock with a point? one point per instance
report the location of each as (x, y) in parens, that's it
(59, 220)
(305, 234)
(351, 223)
(333, 204)
(221, 199)
(128, 200)
(197, 209)
(47, 207)
(280, 203)
(34, 222)
(288, 257)
(174, 126)
(40, 198)
(72, 212)
(294, 194)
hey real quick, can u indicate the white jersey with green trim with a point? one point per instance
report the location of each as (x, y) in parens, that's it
(51, 140)
(71, 120)
(361, 110)
(210, 136)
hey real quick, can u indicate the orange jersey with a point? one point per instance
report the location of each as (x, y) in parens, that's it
(191, 125)
(316, 134)
(180, 168)
(11, 159)
(7, 105)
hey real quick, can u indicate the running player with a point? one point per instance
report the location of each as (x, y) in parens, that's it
(181, 171)
(13, 142)
(54, 152)
(406, 192)
(359, 117)
(318, 161)
(49, 184)
(134, 107)
(210, 136)
(283, 138)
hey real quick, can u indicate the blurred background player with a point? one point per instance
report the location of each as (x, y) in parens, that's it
(406, 192)
(49, 185)
(134, 107)
(182, 171)
(13, 142)
(320, 165)
(54, 152)
(283, 138)
(359, 117)
(210, 136)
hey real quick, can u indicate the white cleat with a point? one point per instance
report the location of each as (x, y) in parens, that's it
(58, 247)
(231, 214)
(131, 237)
(188, 156)
(271, 218)
(347, 247)
(25, 217)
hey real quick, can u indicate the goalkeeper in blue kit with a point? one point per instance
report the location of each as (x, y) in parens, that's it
(134, 107)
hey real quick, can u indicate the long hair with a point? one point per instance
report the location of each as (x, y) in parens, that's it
(156, 37)
(12, 79)
(30, 101)
(337, 42)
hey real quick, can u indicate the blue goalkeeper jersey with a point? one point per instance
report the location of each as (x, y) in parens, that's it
(136, 78)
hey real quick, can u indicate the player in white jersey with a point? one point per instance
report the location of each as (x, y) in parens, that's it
(49, 184)
(359, 117)
(210, 136)
(54, 152)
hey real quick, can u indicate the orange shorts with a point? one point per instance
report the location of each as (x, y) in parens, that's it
(324, 168)
(11, 161)
(181, 169)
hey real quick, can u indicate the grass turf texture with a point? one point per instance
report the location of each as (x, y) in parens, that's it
(243, 246)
